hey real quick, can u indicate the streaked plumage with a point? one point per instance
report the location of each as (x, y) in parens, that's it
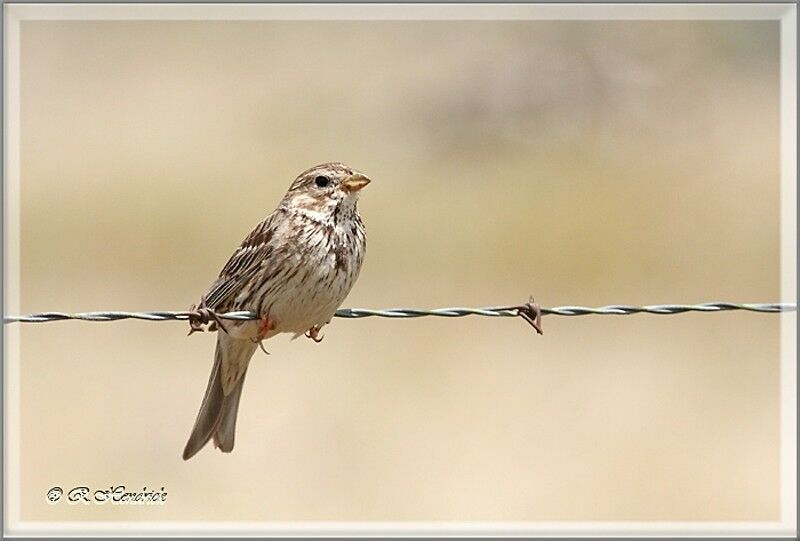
(294, 270)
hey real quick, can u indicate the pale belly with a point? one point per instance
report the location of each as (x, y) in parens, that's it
(313, 302)
(308, 298)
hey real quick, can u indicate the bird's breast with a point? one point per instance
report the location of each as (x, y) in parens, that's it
(324, 268)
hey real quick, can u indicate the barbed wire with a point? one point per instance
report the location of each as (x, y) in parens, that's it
(407, 313)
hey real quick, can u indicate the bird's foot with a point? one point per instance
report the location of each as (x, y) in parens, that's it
(313, 334)
(265, 325)
(201, 316)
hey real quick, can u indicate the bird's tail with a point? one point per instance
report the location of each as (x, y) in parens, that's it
(217, 415)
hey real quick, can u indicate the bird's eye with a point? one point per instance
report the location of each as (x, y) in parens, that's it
(322, 181)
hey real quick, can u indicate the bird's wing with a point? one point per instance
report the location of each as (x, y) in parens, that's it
(240, 268)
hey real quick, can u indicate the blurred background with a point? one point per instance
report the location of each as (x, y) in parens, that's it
(585, 163)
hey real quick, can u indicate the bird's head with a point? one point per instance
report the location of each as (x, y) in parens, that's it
(326, 189)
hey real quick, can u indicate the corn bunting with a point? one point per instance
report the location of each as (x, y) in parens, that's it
(293, 271)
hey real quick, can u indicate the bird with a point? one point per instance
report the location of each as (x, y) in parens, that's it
(293, 271)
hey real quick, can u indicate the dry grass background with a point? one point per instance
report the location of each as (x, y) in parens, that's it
(585, 162)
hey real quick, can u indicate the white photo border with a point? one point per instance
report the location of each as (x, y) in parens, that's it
(786, 13)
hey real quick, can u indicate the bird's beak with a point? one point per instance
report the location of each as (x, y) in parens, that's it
(355, 182)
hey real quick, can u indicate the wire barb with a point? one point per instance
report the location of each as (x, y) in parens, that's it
(530, 312)
(202, 318)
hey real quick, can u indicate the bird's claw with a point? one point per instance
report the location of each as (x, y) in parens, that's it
(201, 315)
(265, 325)
(261, 345)
(313, 334)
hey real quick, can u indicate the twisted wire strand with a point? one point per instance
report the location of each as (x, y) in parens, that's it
(404, 313)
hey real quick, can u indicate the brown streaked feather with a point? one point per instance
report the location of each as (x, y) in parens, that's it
(244, 262)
